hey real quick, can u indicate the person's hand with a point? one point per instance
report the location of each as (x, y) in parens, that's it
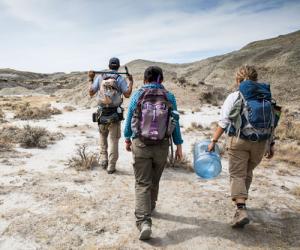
(130, 78)
(178, 153)
(270, 153)
(128, 144)
(91, 75)
(211, 146)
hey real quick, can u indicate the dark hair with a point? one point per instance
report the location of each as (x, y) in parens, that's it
(153, 74)
(114, 63)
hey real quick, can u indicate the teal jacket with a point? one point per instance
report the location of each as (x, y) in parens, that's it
(133, 105)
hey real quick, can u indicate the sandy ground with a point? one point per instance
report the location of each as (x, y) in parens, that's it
(46, 205)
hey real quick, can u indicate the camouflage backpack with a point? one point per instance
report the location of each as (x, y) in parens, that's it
(110, 95)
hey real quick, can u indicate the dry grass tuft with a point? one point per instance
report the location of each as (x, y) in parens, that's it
(2, 116)
(283, 172)
(9, 134)
(185, 163)
(83, 160)
(194, 127)
(296, 191)
(212, 95)
(289, 127)
(29, 137)
(196, 110)
(5, 146)
(288, 153)
(69, 108)
(27, 112)
(55, 111)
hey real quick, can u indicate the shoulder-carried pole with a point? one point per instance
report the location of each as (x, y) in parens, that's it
(113, 72)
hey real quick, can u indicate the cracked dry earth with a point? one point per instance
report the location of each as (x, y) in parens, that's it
(46, 205)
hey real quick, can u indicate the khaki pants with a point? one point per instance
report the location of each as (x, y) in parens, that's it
(111, 153)
(244, 156)
(148, 165)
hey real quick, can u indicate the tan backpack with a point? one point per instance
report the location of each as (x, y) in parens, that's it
(110, 95)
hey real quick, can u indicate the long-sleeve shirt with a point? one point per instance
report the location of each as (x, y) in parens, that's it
(133, 105)
(224, 120)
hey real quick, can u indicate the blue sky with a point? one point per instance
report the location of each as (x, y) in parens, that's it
(54, 35)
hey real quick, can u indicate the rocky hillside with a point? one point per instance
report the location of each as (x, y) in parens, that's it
(277, 61)
(14, 82)
(208, 80)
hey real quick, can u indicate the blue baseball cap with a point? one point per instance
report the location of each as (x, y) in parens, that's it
(114, 63)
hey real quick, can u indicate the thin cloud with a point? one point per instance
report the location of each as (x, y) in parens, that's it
(79, 35)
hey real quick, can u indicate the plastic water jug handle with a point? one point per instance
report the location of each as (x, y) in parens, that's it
(206, 150)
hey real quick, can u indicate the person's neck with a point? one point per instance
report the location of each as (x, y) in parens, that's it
(152, 83)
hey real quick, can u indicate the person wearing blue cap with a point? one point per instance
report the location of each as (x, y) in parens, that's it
(110, 88)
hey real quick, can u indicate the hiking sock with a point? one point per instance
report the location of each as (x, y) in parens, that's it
(241, 205)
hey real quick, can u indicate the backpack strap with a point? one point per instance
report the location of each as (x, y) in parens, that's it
(114, 76)
(139, 102)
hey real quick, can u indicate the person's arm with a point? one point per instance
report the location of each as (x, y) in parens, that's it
(127, 130)
(218, 133)
(179, 153)
(224, 120)
(176, 135)
(91, 76)
(127, 88)
(270, 153)
(94, 83)
(270, 150)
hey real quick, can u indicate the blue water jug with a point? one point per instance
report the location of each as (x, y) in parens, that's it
(207, 164)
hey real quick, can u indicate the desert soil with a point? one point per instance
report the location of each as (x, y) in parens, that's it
(46, 205)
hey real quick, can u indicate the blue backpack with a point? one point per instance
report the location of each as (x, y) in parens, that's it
(257, 112)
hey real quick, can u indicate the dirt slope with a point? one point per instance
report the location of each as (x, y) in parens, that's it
(277, 61)
(46, 205)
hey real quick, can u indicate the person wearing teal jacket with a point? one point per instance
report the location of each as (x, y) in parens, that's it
(149, 160)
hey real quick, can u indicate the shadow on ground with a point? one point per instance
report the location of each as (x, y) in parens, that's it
(266, 230)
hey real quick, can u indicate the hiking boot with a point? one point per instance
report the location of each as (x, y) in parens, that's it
(146, 231)
(111, 171)
(240, 218)
(104, 164)
(153, 205)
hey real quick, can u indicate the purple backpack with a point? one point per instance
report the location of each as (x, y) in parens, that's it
(150, 121)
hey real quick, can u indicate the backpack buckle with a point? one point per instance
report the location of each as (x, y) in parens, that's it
(254, 137)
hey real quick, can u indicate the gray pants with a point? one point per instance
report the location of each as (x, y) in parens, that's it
(111, 153)
(148, 165)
